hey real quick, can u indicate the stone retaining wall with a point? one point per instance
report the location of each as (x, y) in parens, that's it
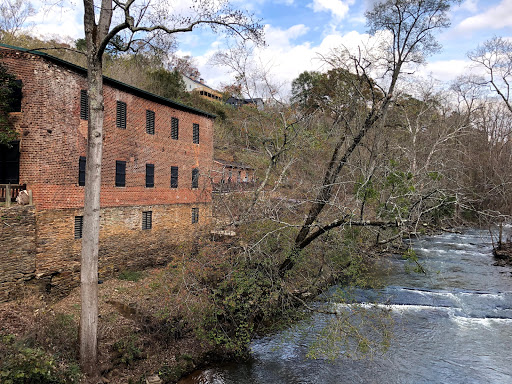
(17, 250)
(40, 247)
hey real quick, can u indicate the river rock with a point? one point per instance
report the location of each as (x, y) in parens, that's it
(155, 379)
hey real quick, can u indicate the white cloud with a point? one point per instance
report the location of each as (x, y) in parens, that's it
(445, 70)
(496, 17)
(338, 8)
(469, 5)
(288, 60)
(282, 37)
(60, 22)
(285, 59)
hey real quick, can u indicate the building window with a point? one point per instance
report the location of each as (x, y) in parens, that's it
(147, 220)
(195, 133)
(174, 177)
(79, 226)
(81, 170)
(195, 178)
(120, 173)
(84, 105)
(15, 95)
(150, 122)
(195, 215)
(150, 175)
(121, 115)
(174, 128)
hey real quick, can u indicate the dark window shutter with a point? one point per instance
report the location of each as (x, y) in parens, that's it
(195, 178)
(121, 115)
(195, 215)
(147, 220)
(15, 96)
(150, 175)
(195, 133)
(174, 177)
(120, 173)
(174, 128)
(84, 105)
(150, 122)
(79, 226)
(81, 170)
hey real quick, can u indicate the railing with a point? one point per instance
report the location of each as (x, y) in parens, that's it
(233, 187)
(9, 192)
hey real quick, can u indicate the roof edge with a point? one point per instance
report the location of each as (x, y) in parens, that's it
(115, 83)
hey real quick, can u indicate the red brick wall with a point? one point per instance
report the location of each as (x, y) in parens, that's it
(53, 137)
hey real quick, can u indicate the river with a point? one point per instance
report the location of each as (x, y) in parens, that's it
(452, 324)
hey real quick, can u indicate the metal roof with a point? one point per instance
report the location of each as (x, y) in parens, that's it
(115, 83)
(231, 164)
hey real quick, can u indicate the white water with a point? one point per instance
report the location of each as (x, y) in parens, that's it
(452, 325)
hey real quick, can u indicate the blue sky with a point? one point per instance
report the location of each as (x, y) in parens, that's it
(298, 30)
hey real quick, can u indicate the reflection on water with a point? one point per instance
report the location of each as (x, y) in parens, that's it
(452, 325)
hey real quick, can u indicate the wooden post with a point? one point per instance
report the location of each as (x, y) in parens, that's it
(500, 236)
(30, 200)
(8, 195)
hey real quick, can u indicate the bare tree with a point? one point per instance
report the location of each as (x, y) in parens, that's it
(278, 128)
(13, 15)
(411, 26)
(487, 147)
(252, 77)
(185, 65)
(495, 57)
(137, 22)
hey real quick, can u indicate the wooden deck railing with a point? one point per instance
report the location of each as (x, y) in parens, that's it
(9, 192)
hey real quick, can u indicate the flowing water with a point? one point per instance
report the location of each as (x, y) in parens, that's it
(451, 325)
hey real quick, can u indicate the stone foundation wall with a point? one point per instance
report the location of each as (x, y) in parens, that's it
(41, 246)
(17, 250)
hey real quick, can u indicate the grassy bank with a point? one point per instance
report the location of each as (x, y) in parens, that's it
(39, 339)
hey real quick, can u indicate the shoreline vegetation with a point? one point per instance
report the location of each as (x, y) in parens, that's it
(165, 321)
(136, 340)
(203, 308)
(501, 248)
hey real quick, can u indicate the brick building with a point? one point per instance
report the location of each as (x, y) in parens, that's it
(227, 176)
(153, 194)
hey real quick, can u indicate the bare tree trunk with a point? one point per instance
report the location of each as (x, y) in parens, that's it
(98, 34)
(96, 38)
(90, 240)
(334, 168)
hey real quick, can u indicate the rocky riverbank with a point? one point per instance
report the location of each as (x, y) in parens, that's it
(503, 253)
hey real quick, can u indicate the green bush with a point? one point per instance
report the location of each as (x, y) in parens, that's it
(20, 364)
